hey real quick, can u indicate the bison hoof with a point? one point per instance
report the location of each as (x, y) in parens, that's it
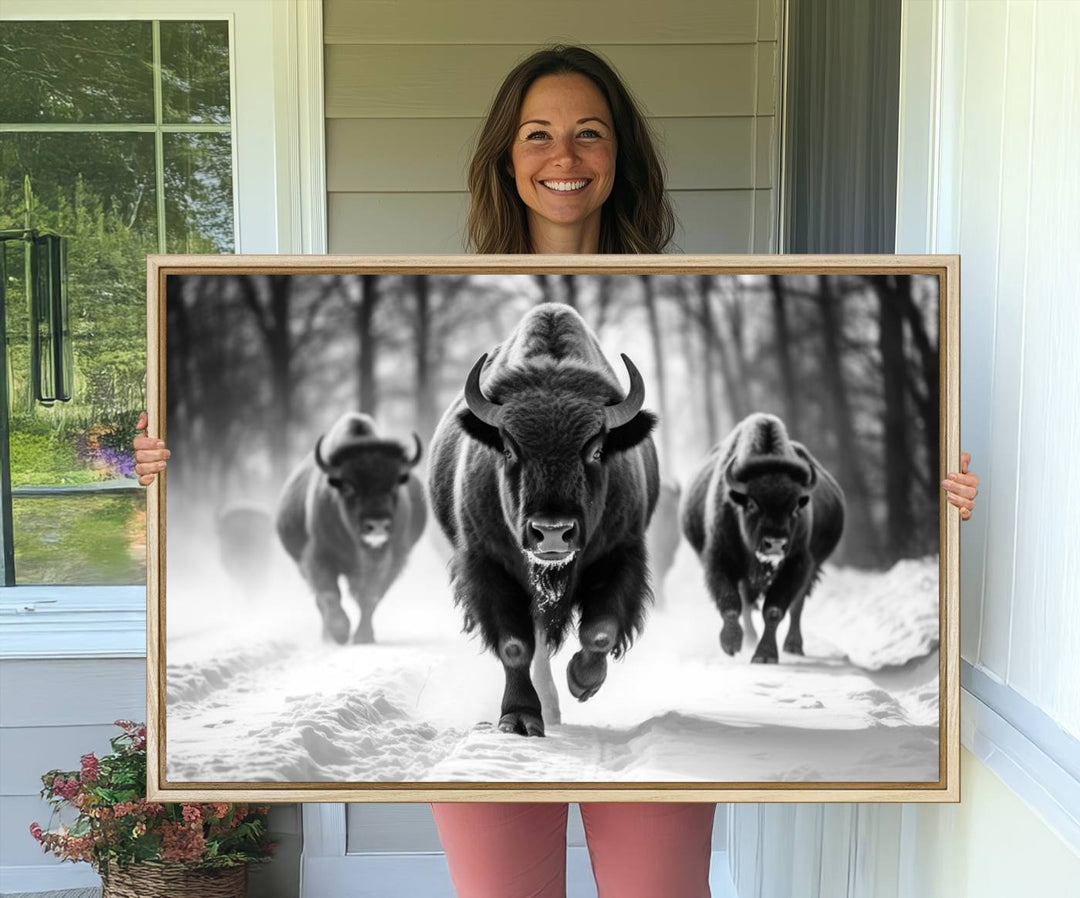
(585, 674)
(793, 646)
(731, 637)
(765, 657)
(336, 628)
(600, 635)
(364, 636)
(522, 723)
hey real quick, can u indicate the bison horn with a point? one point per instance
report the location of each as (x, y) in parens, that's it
(732, 481)
(623, 412)
(811, 477)
(487, 411)
(411, 462)
(323, 466)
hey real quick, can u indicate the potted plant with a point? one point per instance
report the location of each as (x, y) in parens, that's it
(141, 847)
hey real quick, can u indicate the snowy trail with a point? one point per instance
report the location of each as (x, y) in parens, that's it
(255, 696)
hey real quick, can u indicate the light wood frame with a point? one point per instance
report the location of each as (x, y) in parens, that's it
(945, 267)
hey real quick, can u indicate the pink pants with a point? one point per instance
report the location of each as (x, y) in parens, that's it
(642, 850)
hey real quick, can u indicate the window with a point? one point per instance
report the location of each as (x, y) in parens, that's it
(118, 136)
(277, 129)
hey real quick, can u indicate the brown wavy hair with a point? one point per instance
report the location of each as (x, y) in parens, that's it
(637, 216)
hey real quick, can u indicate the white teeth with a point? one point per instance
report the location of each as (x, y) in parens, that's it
(564, 185)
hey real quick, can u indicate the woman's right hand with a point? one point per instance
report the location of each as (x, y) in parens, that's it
(150, 454)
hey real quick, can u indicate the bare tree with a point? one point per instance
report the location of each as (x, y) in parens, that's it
(268, 299)
(862, 541)
(649, 283)
(570, 295)
(709, 346)
(603, 303)
(927, 400)
(736, 369)
(425, 395)
(789, 384)
(897, 453)
(370, 294)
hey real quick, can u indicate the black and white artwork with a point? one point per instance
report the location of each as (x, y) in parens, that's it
(527, 528)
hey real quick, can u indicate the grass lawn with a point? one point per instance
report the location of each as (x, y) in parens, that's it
(81, 540)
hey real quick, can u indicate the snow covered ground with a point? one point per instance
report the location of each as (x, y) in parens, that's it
(255, 696)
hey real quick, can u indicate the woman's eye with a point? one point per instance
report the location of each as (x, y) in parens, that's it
(536, 135)
(589, 132)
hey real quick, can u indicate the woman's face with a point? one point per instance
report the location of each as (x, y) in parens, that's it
(563, 154)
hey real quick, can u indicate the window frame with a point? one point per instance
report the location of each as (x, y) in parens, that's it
(279, 206)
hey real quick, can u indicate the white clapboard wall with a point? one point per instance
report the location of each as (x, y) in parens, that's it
(407, 85)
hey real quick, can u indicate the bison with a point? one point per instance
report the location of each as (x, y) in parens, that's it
(353, 508)
(544, 477)
(245, 538)
(762, 515)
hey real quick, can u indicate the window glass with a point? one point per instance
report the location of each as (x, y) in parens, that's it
(198, 193)
(121, 184)
(63, 72)
(85, 540)
(195, 71)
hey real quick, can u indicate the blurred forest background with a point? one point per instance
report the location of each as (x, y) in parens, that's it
(258, 366)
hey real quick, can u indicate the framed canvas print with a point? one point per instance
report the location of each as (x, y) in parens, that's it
(559, 528)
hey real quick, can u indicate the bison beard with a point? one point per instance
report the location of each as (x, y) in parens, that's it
(549, 581)
(544, 481)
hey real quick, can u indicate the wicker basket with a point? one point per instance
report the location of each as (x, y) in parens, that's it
(148, 880)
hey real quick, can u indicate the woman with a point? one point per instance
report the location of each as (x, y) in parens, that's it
(565, 164)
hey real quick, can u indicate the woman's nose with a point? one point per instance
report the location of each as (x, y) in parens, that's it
(564, 150)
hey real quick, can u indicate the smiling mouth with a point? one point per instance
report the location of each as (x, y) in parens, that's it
(567, 186)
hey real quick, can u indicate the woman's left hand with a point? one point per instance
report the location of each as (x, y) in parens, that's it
(962, 488)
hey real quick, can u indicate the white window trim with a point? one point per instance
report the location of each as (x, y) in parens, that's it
(72, 622)
(1022, 745)
(280, 207)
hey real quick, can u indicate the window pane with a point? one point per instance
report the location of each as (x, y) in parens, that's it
(198, 193)
(79, 180)
(76, 72)
(81, 540)
(195, 71)
(98, 191)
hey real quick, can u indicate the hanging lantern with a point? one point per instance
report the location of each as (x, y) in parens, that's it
(51, 358)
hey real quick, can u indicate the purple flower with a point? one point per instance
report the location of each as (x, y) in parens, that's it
(119, 462)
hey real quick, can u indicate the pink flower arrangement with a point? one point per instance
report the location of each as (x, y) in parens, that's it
(117, 825)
